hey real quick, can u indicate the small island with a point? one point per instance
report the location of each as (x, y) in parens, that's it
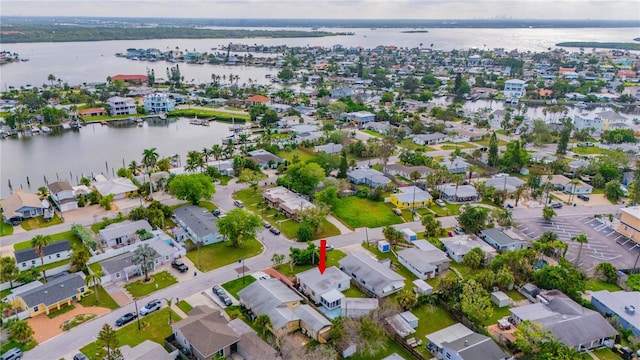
(602, 45)
(415, 31)
(636, 39)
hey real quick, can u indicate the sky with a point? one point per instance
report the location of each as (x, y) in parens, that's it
(332, 9)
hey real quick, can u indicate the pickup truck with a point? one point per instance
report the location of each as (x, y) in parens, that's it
(179, 265)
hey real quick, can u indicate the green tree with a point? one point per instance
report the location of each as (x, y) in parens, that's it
(394, 236)
(79, 257)
(504, 278)
(344, 167)
(286, 74)
(263, 322)
(564, 140)
(327, 196)
(303, 177)
(239, 225)
(149, 159)
(94, 279)
(431, 225)
(548, 213)
(277, 259)
(474, 258)
(195, 161)
(607, 272)
(39, 242)
(20, 331)
(305, 232)
(475, 302)
(474, 218)
(308, 256)
(8, 270)
(612, 191)
(407, 299)
(314, 216)
(580, 239)
(109, 344)
(493, 151)
(252, 178)
(372, 336)
(144, 255)
(192, 187)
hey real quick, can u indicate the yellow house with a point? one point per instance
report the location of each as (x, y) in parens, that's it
(630, 223)
(410, 197)
(53, 295)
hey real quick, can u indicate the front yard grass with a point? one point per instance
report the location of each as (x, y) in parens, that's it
(409, 144)
(453, 146)
(391, 347)
(303, 156)
(66, 235)
(589, 150)
(104, 299)
(449, 209)
(207, 205)
(162, 280)
(487, 140)
(332, 260)
(154, 327)
(597, 285)
(5, 229)
(10, 344)
(62, 310)
(234, 286)
(220, 254)
(39, 222)
(356, 212)
(184, 306)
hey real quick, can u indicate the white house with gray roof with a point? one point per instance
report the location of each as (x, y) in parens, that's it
(55, 251)
(425, 262)
(459, 246)
(265, 159)
(325, 289)
(372, 275)
(123, 233)
(504, 182)
(199, 223)
(460, 193)
(286, 201)
(457, 166)
(429, 139)
(501, 241)
(370, 177)
(622, 305)
(457, 342)
(330, 148)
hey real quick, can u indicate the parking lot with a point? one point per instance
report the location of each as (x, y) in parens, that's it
(605, 244)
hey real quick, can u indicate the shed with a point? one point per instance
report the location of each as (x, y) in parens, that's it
(531, 290)
(422, 288)
(409, 235)
(410, 318)
(384, 246)
(500, 299)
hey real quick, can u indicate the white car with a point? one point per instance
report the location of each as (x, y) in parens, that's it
(152, 306)
(441, 203)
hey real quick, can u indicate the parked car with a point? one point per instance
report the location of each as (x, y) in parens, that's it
(459, 231)
(267, 225)
(226, 300)
(583, 197)
(12, 354)
(128, 317)
(556, 205)
(441, 203)
(80, 356)
(179, 265)
(218, 290)
(264, 277)
(152, 306)
(330, 247)
(274, 231)
(397, 212)
(216, 212)
(238, 203)
(509, 206)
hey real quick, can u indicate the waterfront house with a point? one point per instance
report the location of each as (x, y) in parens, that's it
(121, 106)
(57, 292)
(286, 201)
(158, 103)
(285, 309)
(501, 241)
(22, 205)
(460, 193)
(619, 304)
(62, 195)
(124, 233)
(131, 80)
(257, 100)
(91, 112)
(119, 187)
(425, 260)
(457, 166)
(588, 121)
(55, 251)
(459, 246)
(429, 139)
(322, 288)
(457, 342)
(370, 177)
(372, 275)
(199, 223)
(514, 88)
(265, 159)
(410, 197)
(575, 326)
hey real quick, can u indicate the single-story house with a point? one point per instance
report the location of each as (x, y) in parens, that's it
(577, 164)
(457, 342)
(429, 139)
(425, 261)
(55, 251)
(205, 333)
(120, 188)
(370, 177)
(405, 171)
(53, 295)
(358, 307)
(330, 148)
(123, 233)
(541, 157)
(251, 346)
(457, 166)
(91, 112)
(379, 127)
(265, 159)
(286, 201)
(622, 305)
(410, 197)
(563, 183)
(574, 325)
(372, 275)
(21, 205)
(501, 241)
(504, 182)
(359, 118)
(285, 309)
(119, 268)
(146, 350)
(459, 246)
(321, 287)
(62, 195)
(199, 223)
(460, 193)
(257, 99)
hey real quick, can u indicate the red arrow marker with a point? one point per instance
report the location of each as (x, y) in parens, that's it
(323, 256)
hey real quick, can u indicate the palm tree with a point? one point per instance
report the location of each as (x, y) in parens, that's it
(229, 148)
(216, 151)
(206, 152)
(134, 167)
(51, 78)
(8, 270)
(194, 161)
(518, 193)
(20, 331)
(144, 256)
(39, 242)
(263, 321)
(573, 182)
(94, 279)
(79, 258)
(243, 141)
(149, 158)
(407, 299)
(582, 239)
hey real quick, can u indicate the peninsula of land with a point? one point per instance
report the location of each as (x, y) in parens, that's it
(601, 45)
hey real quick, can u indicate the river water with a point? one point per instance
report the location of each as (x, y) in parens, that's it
(70, 154)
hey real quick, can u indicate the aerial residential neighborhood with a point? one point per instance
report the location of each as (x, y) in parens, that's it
(329, 201)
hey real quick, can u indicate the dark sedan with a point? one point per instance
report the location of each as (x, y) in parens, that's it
(126, 318)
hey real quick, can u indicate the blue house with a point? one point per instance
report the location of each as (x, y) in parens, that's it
(501, 241)
(370, 177)
(622, 305)
(199, 223)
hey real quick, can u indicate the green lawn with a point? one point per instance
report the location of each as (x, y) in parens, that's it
(597, 285)
(514, 295)
(356, 212)
(448, 210)
(432, 318)
(452, 146)
(184, 306)
(354, 292)
(464, 270)
(303, 156)
(154, 327)
(5, 229)
(95, 267)
(207, 205)
(604, 354)
(234, 286)
(590, 150)
(371, 132)
(6, 346)
(498, 313)
(332, 260)
(392, 347)
(220, 254)
(103, 224)
(62, 310)
(486, 141)
(104, 299)
(162, 280)
(67, 235)
(91, 119)
(409, 144)
(221, 115)
(39, 222)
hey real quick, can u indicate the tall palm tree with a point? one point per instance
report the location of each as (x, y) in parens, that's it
(149, 158)
(206, 152)
(216, 151)
(574, 182)
(39, 242)
(134, 167)
(229, 148)
(243, 140)
(144, 255)
(517, 194)
(51, 78)
(581, 239)
(94, 279)
(8, 270)
(194, 161)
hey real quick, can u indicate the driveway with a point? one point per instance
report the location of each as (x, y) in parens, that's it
(45, 328)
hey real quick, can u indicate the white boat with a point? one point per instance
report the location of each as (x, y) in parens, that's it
(580, 105)
(45, 129)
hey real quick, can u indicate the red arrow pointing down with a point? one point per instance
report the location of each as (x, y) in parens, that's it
(322, 266)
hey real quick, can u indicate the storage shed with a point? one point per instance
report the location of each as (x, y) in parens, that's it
(409, 235)
(384, 246)
(411, 319)
(422, 288)
(500, 299)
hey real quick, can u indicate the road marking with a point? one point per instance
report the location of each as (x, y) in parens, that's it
(613, 233)
(616, 239)
(600, 227)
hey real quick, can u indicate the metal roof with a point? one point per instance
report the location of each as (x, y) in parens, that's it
(52, 248)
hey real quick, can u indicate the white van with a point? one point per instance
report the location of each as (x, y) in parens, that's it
(13, 354)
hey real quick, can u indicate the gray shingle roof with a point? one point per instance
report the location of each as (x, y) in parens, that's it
(321, 283)
(198, 219)
(124, 228)
(207, 331)
(52, 248)
(54, 291)
(499, 237)
(311, 317)
(368, 269)
(118, 263)
(476, 347)
(266, 297)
